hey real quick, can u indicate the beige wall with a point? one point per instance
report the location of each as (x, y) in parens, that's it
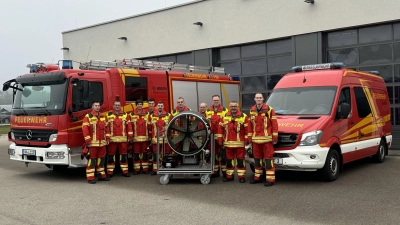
(226, 22)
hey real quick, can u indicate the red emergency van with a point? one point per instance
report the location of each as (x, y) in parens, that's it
(329, 115)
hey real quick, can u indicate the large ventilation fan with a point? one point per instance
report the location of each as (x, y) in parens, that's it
(188, 133)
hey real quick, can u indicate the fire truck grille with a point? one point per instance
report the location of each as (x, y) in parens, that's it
(281, 155)
(33, 135)
(286, 140)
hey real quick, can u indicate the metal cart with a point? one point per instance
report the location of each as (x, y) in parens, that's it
(188, 145)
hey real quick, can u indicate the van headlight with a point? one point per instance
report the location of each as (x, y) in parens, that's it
(311, 138)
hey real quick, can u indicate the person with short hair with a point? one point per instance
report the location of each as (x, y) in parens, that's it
(120, 131)
(263, 133)
(96, 138)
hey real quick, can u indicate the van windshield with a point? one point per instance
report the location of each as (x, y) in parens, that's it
(302, 101)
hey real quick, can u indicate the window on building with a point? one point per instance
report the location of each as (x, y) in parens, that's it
(229, 53)
(376, 54)
(363, 106)
(342, 38)
(135, 88)
(279, 47)
(375, 34)
(279, 63)
(349, 56)
(257, 83)
(253, 50)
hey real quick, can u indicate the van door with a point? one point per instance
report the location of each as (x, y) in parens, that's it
(344, 126)
(367, 128)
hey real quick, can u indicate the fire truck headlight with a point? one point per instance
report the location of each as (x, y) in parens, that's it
(311, 138)
(11, 151)
(55, 155)
(12, 136)
(53, 137)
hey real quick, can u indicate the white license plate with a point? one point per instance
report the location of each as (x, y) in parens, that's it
(278, 161)
(28, 152)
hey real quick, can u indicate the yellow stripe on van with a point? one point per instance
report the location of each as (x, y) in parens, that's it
(362, 123)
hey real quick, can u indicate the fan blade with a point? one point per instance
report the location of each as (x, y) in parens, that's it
(197, 143)
(199, 133)
(186, 145)
(194, 125)
(177, 128)
(178, 139)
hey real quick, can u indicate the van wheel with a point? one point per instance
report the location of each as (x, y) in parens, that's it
(330, 171)
(380, 155)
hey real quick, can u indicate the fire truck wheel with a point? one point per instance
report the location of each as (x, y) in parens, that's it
(380, 155)
(57, 168)
(330, 171)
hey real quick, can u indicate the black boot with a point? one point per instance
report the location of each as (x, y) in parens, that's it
(107, 178)
(255, 181)
(91, 181)
(227, 179)
(268, 184)
(242, 180)
(215, 175)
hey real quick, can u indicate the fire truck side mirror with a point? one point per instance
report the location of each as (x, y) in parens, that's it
(70, 111)
(6, 86)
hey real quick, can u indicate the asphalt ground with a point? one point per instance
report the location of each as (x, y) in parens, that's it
(365, 193)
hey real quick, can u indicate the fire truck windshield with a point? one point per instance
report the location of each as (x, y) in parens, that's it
(302, 101)
(44, 99)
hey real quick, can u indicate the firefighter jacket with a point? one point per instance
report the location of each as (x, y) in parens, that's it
(159, 121)
(94, 130)
(200, 126)
(214, 117)
(140, 125)
(119, 126)
(233, 130)
(263, 124)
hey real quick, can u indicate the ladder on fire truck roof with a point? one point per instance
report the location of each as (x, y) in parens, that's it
(149, 65)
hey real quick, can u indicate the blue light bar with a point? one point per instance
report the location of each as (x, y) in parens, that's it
(235, 78)
(333, 65)
(33, 69)
(67, 64)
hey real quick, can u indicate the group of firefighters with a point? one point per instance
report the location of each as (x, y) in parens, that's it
(232, 129)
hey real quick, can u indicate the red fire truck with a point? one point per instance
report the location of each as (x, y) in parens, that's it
(51, 101)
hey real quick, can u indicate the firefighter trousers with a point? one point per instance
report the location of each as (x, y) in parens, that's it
(220, 164)
(239, 154)
(264, 152)
(123, 157)
(96, 162)
(140, 158)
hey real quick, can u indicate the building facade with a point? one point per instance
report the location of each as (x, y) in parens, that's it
(257, 40)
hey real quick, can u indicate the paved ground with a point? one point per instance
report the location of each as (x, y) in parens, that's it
(365, 193)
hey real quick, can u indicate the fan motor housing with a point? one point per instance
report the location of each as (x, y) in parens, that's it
(188, 133)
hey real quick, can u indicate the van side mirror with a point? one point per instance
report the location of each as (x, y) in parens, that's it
(344, 110)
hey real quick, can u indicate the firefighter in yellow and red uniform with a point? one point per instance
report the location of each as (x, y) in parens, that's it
(159, 122)
(234, 129)
(151, 109)
(214, 115)
(120, 130)
(96, 138)
(202, 111)
(264, 129)
(181, 107)
(140, 122)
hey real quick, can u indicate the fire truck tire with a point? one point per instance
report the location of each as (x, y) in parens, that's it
(205, 179)
(330, 171)
(380, 155)
(57, 168)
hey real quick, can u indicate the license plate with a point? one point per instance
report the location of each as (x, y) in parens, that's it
(278, 161)
(28, 152)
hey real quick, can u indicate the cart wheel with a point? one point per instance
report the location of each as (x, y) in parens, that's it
(164, 179)
(205, 179)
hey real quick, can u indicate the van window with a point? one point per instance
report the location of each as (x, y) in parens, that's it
(135, 88)
(363, 106)
(344, 97)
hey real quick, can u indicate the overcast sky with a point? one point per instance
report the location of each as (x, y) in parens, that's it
(30, 30)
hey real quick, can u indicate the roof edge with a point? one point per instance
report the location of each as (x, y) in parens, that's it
(129, 17)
